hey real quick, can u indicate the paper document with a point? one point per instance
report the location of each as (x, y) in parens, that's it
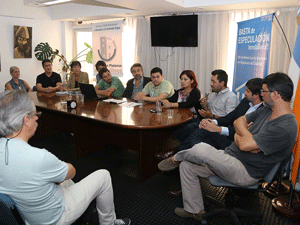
(130, 104)
(111, 100)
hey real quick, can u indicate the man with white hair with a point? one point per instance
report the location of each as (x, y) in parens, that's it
(34, 178)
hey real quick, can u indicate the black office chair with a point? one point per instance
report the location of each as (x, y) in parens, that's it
(229, 208)
(9, 212)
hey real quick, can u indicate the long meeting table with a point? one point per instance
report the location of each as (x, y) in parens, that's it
(96, 123)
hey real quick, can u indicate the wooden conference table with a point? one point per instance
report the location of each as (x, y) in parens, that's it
(97, 123)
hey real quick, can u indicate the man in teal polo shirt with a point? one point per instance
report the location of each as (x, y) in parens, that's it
(108, 85)
(158, 89)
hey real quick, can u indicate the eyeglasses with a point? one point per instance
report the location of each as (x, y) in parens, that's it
(38, 114)
(262, 91)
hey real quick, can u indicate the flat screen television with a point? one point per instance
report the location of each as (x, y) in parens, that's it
(174, 31)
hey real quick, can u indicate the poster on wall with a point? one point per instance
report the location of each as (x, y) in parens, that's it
(252, 51)
(107, 45)
(22, 42)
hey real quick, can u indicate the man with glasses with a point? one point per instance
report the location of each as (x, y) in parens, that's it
(37, 180)
(254, 152)
(137, 83)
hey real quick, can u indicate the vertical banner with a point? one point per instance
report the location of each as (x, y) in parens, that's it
(252, 51)
(107, 45)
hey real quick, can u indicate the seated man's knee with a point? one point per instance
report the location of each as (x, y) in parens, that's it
(103, 174)
(185, 166)
(201, 150)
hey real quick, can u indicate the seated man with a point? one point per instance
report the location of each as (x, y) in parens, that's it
(158, 89)
(137, 83)
(254, 152)
(48, 81)
(99, 65)
(222, 101)
(108, 85)
(33, 177)
(220, 132)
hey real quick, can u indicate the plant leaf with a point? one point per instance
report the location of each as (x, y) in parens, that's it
(43, 51)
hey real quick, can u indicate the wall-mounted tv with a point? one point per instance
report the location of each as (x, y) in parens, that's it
(174, 31)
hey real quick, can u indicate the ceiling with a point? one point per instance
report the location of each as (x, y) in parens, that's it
(86, 10)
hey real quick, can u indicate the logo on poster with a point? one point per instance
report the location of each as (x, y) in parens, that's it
(108, 49)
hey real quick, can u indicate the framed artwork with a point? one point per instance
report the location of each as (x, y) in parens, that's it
(22, 42)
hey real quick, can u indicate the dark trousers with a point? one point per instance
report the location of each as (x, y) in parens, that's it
(190, 134)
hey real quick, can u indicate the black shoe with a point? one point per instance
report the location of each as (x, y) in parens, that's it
(164, 155)
(175, 192)
(124, 221)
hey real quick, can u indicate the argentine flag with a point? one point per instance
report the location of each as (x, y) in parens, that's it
(294, 72)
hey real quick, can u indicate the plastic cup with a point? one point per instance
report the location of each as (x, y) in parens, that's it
(170, 113)
(141, 103)
(158, 107)
(81, 99)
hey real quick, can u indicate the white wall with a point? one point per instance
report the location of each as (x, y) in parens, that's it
(57, 34)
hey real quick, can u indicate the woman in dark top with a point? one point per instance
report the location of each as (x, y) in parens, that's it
(16, 82)
(186, 97)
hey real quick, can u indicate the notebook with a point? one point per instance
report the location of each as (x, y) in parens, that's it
(89, 91)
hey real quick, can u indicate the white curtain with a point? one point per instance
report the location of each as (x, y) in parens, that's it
(210, 54)
(216, 46)
(128, 46)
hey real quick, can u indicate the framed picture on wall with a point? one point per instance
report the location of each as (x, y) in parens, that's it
(22, 42)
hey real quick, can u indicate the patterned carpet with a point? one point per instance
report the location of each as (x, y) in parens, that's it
(148, 203)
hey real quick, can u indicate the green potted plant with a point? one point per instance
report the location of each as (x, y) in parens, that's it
(44, 51)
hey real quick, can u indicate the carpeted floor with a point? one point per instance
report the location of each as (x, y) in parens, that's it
(148, 203)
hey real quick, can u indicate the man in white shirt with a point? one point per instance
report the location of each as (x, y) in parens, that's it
(222, 101)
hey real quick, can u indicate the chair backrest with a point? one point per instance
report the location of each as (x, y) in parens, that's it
(271, 175)
(9, 213)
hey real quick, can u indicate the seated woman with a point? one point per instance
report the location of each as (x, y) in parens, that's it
(37, 180)
(76, 76)
(186, 97)
(15, 82)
